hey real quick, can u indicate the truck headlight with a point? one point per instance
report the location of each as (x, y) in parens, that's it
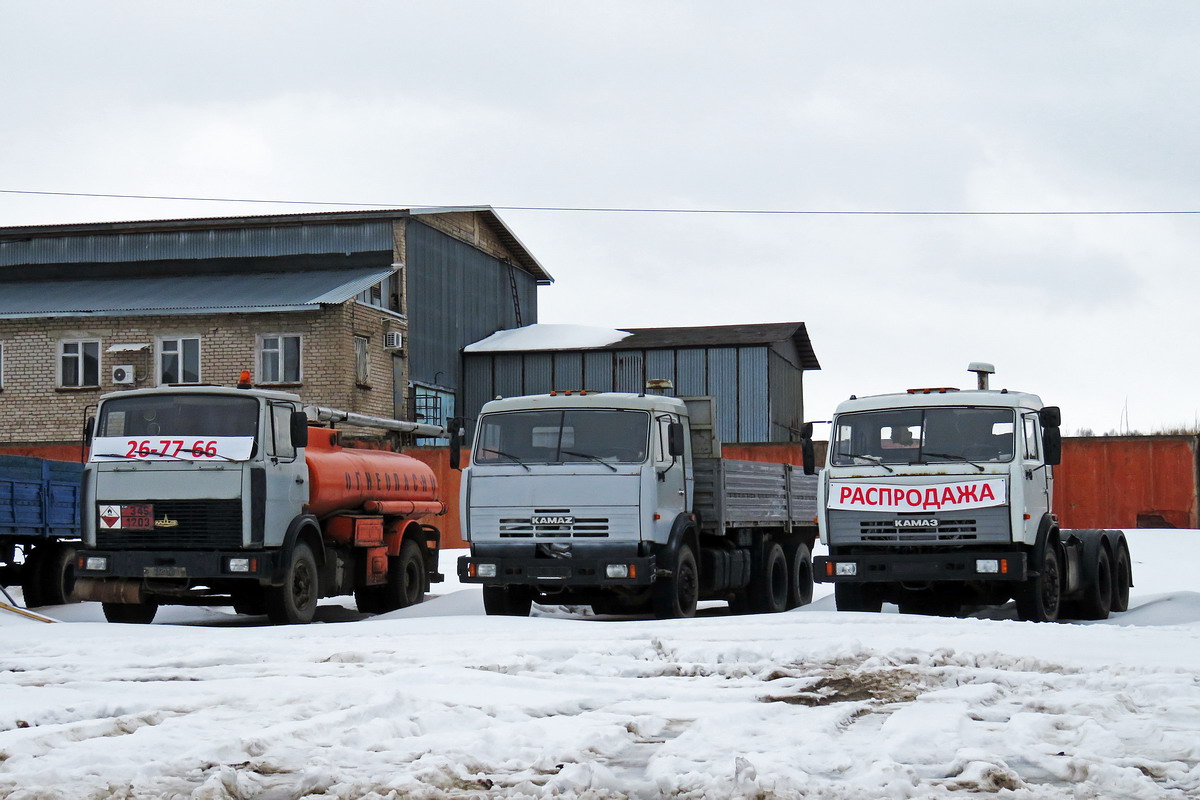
(617, 570)
(96, 562)
(239, 565)
(486, 570)
(846, 568)
(987, 566)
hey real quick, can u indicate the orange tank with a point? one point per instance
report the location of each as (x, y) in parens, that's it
(375, 481)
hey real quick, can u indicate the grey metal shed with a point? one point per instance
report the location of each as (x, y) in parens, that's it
(755, 372)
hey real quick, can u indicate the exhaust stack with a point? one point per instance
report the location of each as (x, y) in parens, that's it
(981, 369)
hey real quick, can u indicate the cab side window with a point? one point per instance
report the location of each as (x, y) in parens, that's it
(281, 431)
(1032, 440)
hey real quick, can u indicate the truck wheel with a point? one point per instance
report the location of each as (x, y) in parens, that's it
(1122, 579)
(249, 601)
(1096, 600)
(507, 601)
(132, 613)
(676, 597)
(857, 597)
(57, 573)
(295, 601)
(406, 578)
(800, 575)
(770, 585)
(31, 576)
(369, 599)
(1038, 599)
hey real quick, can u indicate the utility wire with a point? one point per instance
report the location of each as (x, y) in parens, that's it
(614, 210)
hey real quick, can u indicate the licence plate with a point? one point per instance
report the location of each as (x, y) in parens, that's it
(164, 572)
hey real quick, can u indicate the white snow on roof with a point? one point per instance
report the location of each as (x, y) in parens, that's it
(547, 337)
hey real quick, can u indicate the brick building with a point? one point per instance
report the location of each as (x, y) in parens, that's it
(366, 311)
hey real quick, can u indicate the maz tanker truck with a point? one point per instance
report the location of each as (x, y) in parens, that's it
(207, 495)
(936, 499)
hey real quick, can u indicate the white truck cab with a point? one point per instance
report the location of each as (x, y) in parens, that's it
(938, 498)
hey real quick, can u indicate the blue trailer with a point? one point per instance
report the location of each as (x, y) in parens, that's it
(39, 527)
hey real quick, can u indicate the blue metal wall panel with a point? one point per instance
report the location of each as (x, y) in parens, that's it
(630, 371)
(598, 371)
(457, 295)
(508, 375)
(723, 384)
(787, 398)
(568, 371)
(660, 364)
(353, 237)
(693, 372)
(477, 386)
(537, 369)
(754, 423)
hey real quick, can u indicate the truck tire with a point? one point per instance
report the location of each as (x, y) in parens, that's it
(295, 602)
(406, 578)
(1122, 578)
(857, 597)
(800, 575)
(31, 576)
(507, 601)
(249, 601)
(1039, 598)
(56, 573)
(676, 597)
(770, 583)
(130, 613)
(1096, 599)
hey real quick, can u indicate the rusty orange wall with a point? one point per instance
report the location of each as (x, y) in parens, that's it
(55, 452)
(772, 452)
(438, 459)
(1127, 482)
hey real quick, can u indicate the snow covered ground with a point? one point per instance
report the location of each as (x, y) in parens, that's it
(441, 701)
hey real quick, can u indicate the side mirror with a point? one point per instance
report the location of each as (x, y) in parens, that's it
(1052, 445)
(1051, 417)
(675, 441)
(809, 454)
(806, 431)
(89, 431)
(299, 429)
(456, 437)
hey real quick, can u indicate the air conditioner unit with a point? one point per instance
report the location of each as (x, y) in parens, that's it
(123, 374)
(393, 340)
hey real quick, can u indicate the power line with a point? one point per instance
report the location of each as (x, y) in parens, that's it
(635, 210)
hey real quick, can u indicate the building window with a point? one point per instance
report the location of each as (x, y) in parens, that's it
(432, 407)
(1, 365)
(179, 360)
(79, 362)
(385, 294)
(279, 358)
(362, 372)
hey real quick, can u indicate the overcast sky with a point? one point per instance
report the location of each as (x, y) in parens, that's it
(788, 106)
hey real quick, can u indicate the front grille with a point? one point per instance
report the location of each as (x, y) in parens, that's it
(948, 530)
(522, 528)
(202, 525)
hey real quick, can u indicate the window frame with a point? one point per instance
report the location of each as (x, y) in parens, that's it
(280, 378)
(160, 352)
(78, 358)
(362, 360)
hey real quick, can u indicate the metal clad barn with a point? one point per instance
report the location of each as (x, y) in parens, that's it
(755, 372)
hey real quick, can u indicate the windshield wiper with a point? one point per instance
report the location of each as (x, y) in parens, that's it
(509, 456)
(955, 456)
(876, 460)
(597, 459)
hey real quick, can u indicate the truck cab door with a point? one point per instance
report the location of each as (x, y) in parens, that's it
(1037, 475)
(671, 478)
(286, 489)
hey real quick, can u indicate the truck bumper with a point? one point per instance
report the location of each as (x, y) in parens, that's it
(177, 565)
(974, 565)
(593, 570)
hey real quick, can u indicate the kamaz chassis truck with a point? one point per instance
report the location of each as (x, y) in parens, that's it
(622, 502)
(937, 499)
(207, 495)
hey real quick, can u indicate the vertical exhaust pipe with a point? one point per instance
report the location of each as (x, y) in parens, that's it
(981, 369)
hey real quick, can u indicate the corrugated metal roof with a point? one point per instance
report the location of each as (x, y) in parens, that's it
(186, 294)
(289, 226)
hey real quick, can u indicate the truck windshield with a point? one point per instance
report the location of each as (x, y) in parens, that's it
(178, 415)
(923, 436)
(561, 436)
